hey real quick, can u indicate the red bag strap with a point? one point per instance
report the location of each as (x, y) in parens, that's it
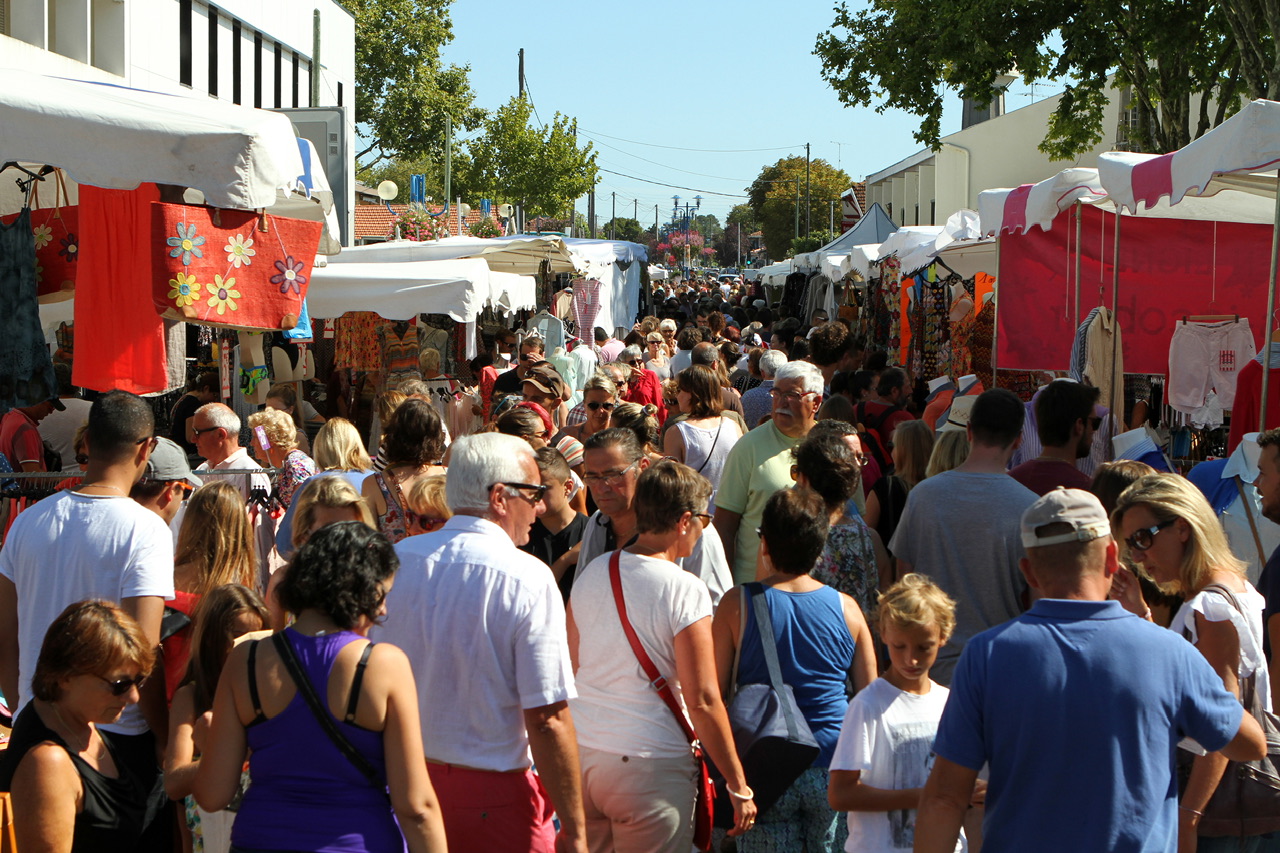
(656, 679)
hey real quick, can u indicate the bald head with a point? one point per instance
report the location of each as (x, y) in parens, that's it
(705, 354)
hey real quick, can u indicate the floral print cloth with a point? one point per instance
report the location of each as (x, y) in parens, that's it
(848, 563)
(298, 468)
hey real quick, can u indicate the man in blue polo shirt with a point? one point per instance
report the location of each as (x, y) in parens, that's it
(1077, 706)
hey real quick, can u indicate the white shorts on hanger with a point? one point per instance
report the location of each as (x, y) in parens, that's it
(1206, 357)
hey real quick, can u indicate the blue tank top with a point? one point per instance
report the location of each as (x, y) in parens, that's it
(304, 794)
(815, 651)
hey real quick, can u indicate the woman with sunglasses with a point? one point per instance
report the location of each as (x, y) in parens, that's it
(599, 398)
(1166, 524)
(71, 789)
(639, 776)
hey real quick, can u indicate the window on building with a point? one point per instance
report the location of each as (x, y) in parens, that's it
(236, 58)
(279, 64)
(213, 51)
(184, 42)
(296, 71)
(257, 70)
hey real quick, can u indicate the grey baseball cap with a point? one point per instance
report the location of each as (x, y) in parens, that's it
(1079, 509)
(168, 462)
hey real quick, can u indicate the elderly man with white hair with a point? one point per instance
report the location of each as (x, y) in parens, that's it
(484, 625)
(760, 464)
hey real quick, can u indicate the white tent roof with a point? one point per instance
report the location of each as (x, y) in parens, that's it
(522, 255)
(775, 275)
(400, 290)
(114, 137)
(872, 229)
(1248, 143)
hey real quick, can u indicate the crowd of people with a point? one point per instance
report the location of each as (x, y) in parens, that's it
(451, 640)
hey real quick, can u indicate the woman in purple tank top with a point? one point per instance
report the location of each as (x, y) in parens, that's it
(353, 781)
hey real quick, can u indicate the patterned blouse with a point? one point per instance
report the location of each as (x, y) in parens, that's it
(848, 563)
(297, 469)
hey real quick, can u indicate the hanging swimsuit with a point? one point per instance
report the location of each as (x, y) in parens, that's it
(394, 523)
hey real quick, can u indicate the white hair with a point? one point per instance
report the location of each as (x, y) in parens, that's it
(628, 353)
(803, 370)
(667, 324)
(771, 362)
(477, 462)
(221, 416)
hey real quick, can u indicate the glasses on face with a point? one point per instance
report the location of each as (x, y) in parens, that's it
(789, 396)
(860, 458)
(1141, 540)
(154, 439)
(608, 478)
(121, 686)
(522, 488)
(199, 432)
(595, 405)
(704, 518)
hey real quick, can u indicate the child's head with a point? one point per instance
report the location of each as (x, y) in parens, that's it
(426, 500)
(915, 619)
(555, 476)
(223, 614)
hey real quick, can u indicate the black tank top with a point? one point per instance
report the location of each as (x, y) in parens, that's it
(114, 809)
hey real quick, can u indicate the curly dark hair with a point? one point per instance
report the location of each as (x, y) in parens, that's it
(827, 462)
(415, 434)
(339, 572)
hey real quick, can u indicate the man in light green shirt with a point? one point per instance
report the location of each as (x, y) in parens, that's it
(760, 464)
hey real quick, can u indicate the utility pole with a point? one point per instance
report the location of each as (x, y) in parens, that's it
(635, 210)
(808, 195)
(520, 82)
(655, 225)
(797, 180)
(448, 161)
(831, 228)
(613, 220)
(591, 212)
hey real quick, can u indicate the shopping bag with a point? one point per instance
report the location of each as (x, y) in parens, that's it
(232, 268)
(56, 233)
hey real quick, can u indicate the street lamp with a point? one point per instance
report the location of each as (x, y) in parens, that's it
(686, 212)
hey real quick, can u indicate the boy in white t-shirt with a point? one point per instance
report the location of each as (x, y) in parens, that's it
(885, 750)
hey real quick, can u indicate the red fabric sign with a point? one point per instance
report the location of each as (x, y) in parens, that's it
(1169, 268)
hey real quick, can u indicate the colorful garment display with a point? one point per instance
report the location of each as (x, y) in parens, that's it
(356, 342)
(26, 370)
(398, 342)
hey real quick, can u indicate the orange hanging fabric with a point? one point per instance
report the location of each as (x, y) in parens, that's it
(119, 335)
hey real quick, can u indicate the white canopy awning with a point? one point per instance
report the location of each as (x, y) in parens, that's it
(115, 137)
(520, 255)
(399, 291)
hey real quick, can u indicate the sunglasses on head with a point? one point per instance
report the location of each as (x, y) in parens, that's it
(121, 686)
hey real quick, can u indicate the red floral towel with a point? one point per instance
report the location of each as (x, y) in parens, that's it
(233, 268)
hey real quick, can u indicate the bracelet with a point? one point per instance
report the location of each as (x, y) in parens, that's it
(1183, 808)
(745, 796)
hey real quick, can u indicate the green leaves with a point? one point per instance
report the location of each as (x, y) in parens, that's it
(773, 199)
(543, 169)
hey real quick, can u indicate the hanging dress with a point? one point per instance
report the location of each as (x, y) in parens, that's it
(26, 370)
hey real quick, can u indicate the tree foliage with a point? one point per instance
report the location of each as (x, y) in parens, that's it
(727, 246)
(903, 54)
(543, 169)
(708, 225)
(773, 199)
(743, 215)
(403, 90)
(402, 171)
(624, 228)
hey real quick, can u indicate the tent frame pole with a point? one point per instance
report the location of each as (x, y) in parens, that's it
(995, 318)
(1115, 319)
(1271, 310)
(1079, 217)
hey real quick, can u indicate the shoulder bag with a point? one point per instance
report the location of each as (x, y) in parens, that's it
(1247, 800)
(773, 739)
(703, 808)
(322, 714)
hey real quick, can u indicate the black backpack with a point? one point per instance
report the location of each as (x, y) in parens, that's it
(869, 434)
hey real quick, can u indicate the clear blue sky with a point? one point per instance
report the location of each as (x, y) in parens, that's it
(717, 76)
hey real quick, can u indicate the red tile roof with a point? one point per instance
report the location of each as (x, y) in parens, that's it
(374, 220)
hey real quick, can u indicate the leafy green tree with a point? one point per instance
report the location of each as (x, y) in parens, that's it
(708, 225)
(743, 215)
(727, 245)
(404, 90)
(624, 229)
(1167, 54)
(773, 198)
(402, 171)
(543, 169)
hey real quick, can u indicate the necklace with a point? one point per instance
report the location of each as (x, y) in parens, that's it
(104, 486)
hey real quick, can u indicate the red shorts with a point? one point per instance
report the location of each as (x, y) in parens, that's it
(486, 810)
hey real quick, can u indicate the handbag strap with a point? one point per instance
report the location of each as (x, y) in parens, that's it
(656, 680)
(742, 634)
(1253, 525)
(764, 624)
(1248, 686)
(714, 442)
(327, 722)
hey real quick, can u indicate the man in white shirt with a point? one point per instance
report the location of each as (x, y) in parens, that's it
(93, 542)
(217, 432)
(484, 625)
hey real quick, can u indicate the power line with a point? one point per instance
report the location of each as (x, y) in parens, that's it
(674, 186)
(663, 165)
(698, 150)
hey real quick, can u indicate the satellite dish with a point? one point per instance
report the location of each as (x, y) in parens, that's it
(388, 190)
(465, 208)
(505, 211)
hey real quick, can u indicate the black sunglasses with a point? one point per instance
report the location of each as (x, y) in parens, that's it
(538, 490)
(1141, 540)
(121, 687)
(596, 404)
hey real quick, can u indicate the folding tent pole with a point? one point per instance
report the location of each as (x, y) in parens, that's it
(995, 319)
(1115, 317)
(1079, 216)
(1271, 309)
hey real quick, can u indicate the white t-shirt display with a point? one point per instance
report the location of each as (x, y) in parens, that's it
(71, 547)
(616, 710)
(59, 429)
(888, 735)
(483, 625)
